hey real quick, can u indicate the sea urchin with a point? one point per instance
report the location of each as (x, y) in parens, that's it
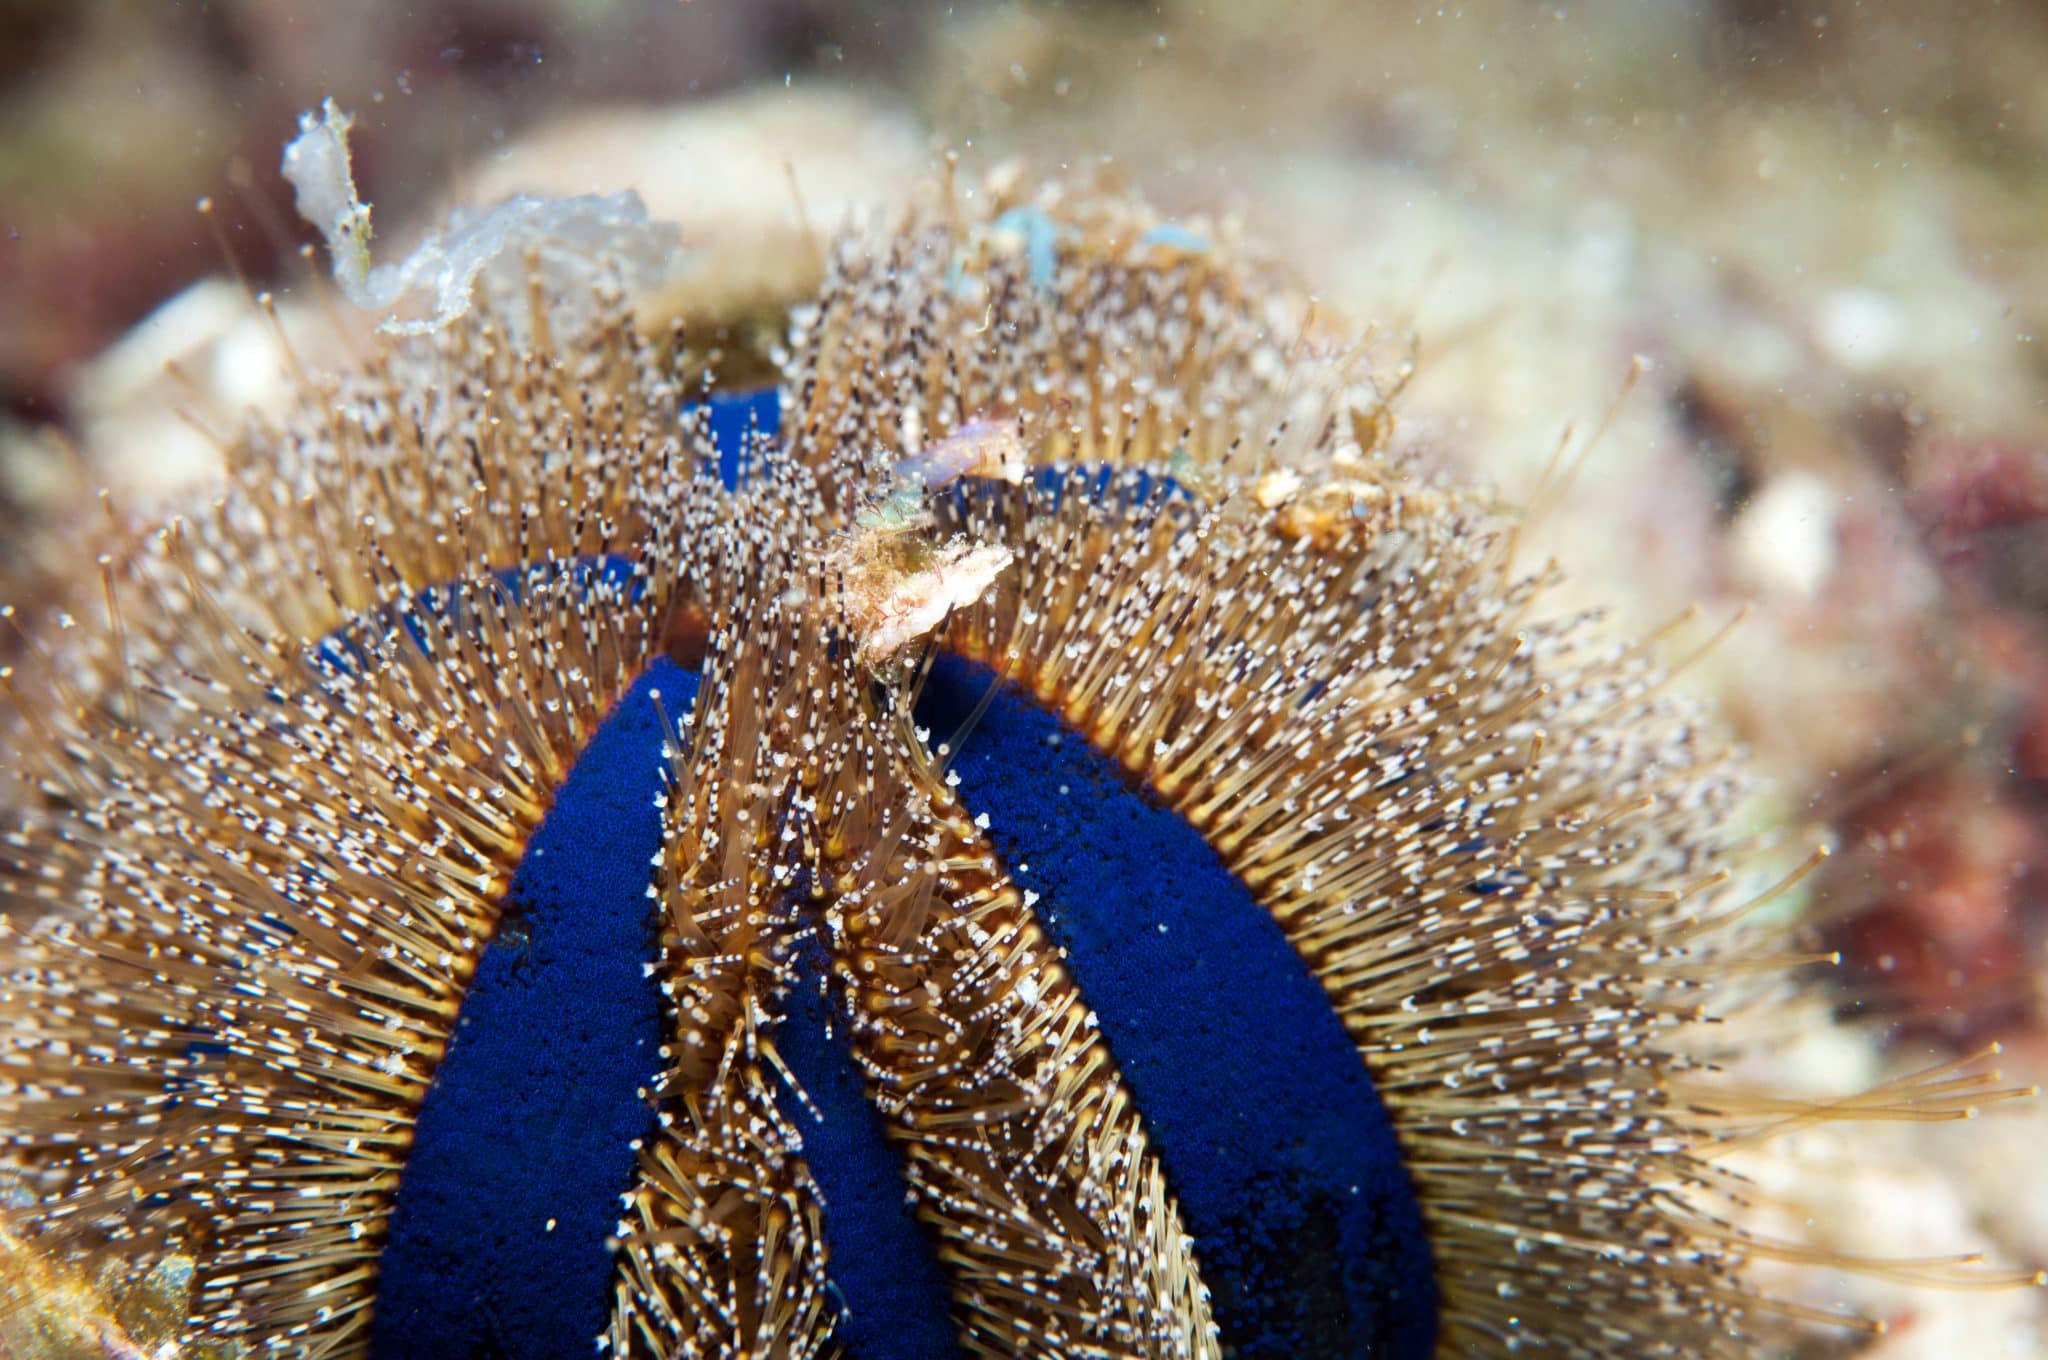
(1045, 838)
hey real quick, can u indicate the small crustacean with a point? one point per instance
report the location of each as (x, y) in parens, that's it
(899, 588)
(984, 447)
(902, 511)
(900, 582)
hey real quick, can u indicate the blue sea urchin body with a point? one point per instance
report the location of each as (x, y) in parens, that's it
(525, 1139)
(1284, 1160)
(551, 862)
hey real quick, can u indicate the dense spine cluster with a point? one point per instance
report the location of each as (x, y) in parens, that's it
(270, 797)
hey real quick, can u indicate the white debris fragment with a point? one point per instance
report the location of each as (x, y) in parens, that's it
(1785, 539)
(1862, 329)
(1277, 488)
(899, 608)
(578, 239)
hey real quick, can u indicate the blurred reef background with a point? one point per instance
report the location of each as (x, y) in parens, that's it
(1817, 233)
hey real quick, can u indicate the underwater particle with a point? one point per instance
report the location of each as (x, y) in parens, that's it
(513, 872)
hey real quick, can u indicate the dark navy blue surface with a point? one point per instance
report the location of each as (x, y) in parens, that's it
(1273, 1139)
(1121, 486)
(533, 1111)
(438, 610)
(1125, 488)
(733, 417)
(883, 1263)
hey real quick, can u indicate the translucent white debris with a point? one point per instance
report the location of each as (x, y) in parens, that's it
(576, 240)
